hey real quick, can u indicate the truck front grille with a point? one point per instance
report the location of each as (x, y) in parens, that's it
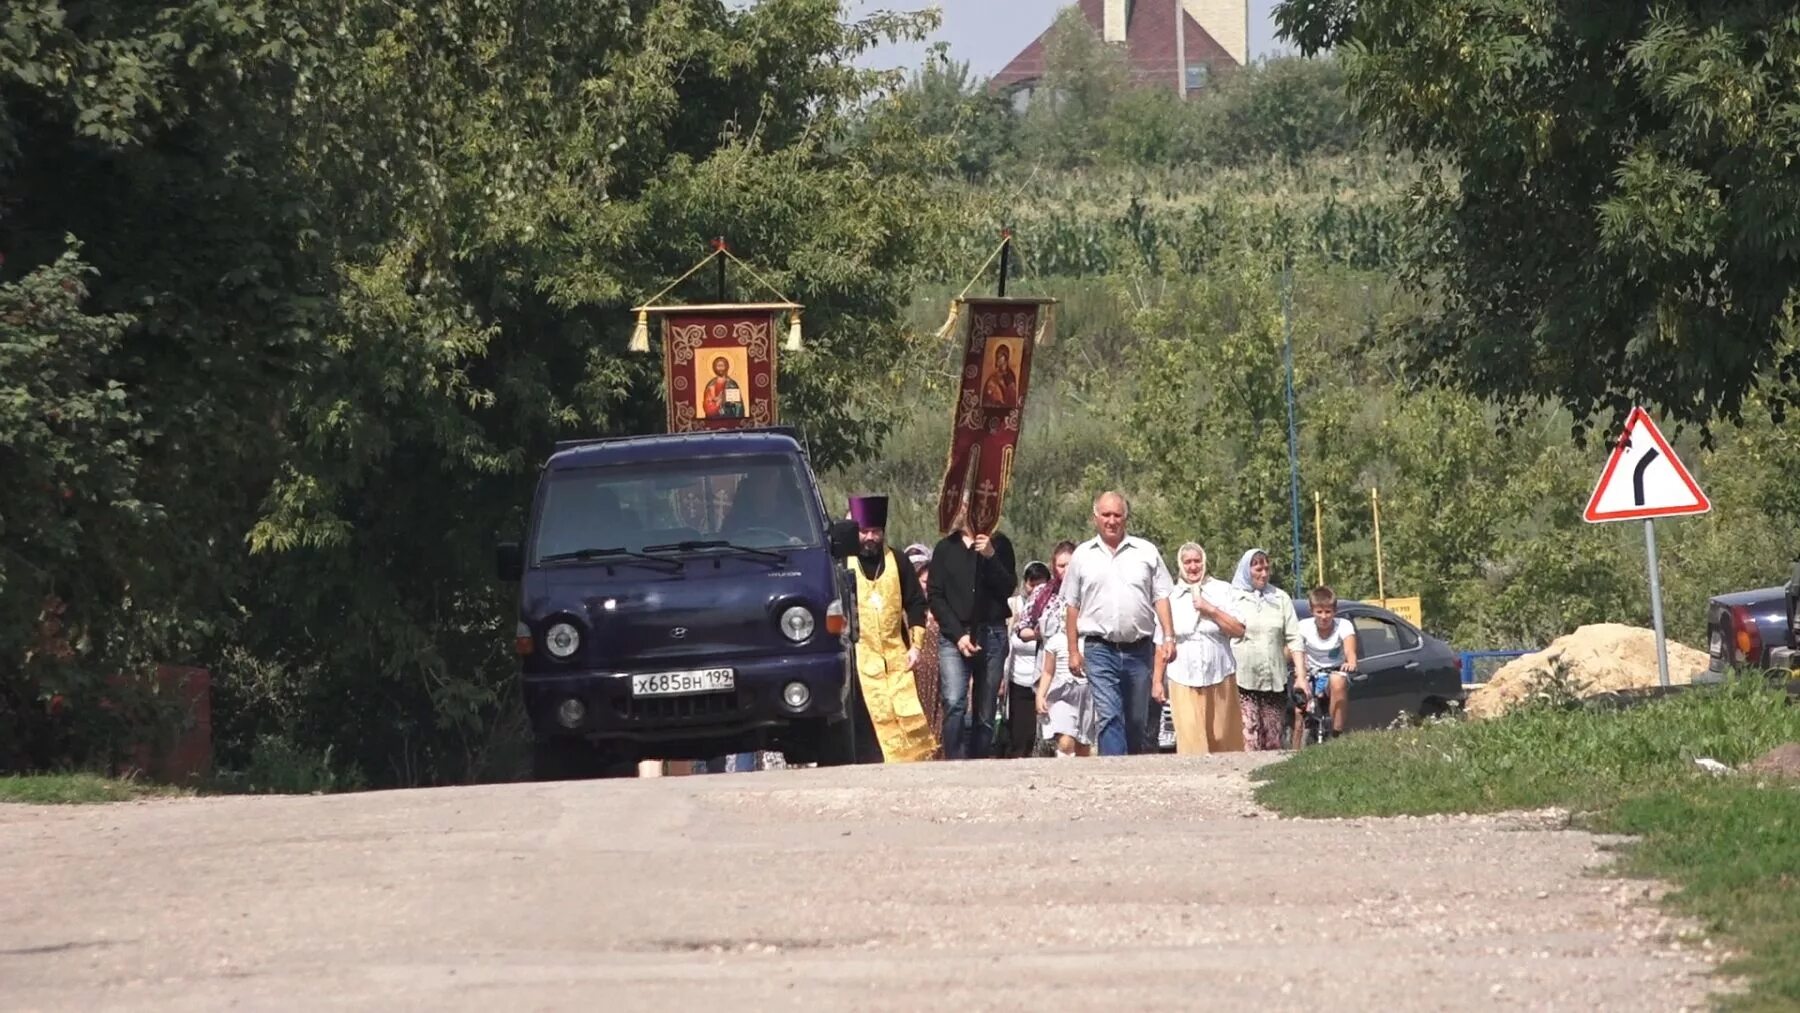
(704, 708)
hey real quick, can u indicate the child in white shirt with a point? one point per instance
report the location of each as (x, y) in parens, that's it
(1329, 645)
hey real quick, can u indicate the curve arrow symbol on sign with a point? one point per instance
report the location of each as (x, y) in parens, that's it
(1637, 476)
(1666, 490)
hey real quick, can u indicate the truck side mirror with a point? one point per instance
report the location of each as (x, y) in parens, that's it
(509, 561)
(846, 539)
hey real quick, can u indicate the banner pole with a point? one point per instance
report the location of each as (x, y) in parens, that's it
(1005, 259)
(719, 252)
(1656, 610)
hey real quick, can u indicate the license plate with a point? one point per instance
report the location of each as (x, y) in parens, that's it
(711, 680)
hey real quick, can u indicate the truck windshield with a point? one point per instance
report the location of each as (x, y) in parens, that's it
(760, 502)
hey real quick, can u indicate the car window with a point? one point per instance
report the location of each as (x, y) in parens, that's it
(1375, 637)
(1409, 637)
(758, 502)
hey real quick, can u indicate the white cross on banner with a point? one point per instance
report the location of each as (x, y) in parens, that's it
(1644, 479)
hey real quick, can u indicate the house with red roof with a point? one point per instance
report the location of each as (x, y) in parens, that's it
(1213, 38)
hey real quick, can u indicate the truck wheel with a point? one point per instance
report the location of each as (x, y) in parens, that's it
(564, 760)
(837, 743)
(826, 743)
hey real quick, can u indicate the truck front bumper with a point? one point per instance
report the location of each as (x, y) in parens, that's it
(610, 711)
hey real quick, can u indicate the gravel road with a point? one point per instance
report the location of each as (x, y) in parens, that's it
(1149, 882)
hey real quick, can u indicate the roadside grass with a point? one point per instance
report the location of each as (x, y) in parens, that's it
(77, 789)
(1729, 844)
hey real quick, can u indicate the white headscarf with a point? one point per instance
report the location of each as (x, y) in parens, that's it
(1180, 573)
(1241, 580)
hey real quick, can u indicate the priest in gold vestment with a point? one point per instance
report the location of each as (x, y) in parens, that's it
(890, 624)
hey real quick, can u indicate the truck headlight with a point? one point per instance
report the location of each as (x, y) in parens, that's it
(797, 623)
(562, 640)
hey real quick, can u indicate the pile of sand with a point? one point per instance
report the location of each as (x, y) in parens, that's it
(1782, 761)
(1603, 658)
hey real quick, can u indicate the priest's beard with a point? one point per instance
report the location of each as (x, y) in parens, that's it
(870, 555)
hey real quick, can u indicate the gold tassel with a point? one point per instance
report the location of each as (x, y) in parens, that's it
(793, 338)
(640, 335)
(1046, 332)
(950, 321)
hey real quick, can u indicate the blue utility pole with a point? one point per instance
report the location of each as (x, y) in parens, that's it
(1287, 325)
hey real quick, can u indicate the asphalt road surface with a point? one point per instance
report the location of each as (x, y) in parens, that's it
(1147, 883)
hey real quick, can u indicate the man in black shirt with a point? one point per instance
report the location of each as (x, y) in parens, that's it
(971, 577)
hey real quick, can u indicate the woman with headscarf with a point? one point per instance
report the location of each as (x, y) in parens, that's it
(1045, 612)
(925, 673)
(1200, 684)
(1271, 640)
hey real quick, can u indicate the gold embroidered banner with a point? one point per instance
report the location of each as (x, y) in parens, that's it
(999, 338)
(719, 368)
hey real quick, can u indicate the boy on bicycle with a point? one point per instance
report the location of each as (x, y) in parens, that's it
(1329, 646)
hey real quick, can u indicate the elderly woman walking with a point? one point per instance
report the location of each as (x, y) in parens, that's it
(1271, 640)
(1200, 684)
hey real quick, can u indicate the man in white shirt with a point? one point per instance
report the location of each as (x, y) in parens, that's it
(1117, 589)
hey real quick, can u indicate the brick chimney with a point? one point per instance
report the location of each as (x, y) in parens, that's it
(1118, 15)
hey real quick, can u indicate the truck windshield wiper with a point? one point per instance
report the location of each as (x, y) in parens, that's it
(618, 554)
(772, 555)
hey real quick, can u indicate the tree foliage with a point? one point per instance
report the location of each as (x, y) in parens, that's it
(355, 267)
(970, 128)
(1614, 213)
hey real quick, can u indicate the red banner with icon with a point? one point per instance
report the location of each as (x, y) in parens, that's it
(719, 368)
(999, 338)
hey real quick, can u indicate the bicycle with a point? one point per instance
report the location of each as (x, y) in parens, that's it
(1314, 709)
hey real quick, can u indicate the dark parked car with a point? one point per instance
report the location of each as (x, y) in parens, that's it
(681, 597)
(1400, 669)
(1752, 628)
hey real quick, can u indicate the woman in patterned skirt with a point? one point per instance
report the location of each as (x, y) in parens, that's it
(925, 673)
(1271, 640)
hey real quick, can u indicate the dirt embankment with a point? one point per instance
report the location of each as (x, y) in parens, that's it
(1603, 658)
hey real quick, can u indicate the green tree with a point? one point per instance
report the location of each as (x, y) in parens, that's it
(1289, 109)
(70, 512)
(1612, 209)
(1065, 123)
(377, 261)
(973, 128)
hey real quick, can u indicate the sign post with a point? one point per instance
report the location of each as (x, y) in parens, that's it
(1656, 616)
(1644, 480)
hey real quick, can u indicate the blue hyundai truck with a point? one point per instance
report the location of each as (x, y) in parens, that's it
(682, 597)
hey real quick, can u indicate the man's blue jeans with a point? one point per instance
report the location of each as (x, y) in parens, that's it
(988, 668)
(1120, 679)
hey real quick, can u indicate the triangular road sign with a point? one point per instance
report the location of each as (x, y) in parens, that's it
(1644, 479)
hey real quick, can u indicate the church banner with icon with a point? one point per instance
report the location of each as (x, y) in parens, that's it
(719, 368)
(999, 337)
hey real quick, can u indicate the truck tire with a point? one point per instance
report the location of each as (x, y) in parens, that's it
(571, 760)
(837, 743)
(822, 741)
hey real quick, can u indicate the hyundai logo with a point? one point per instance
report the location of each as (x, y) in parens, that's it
(678, 632)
